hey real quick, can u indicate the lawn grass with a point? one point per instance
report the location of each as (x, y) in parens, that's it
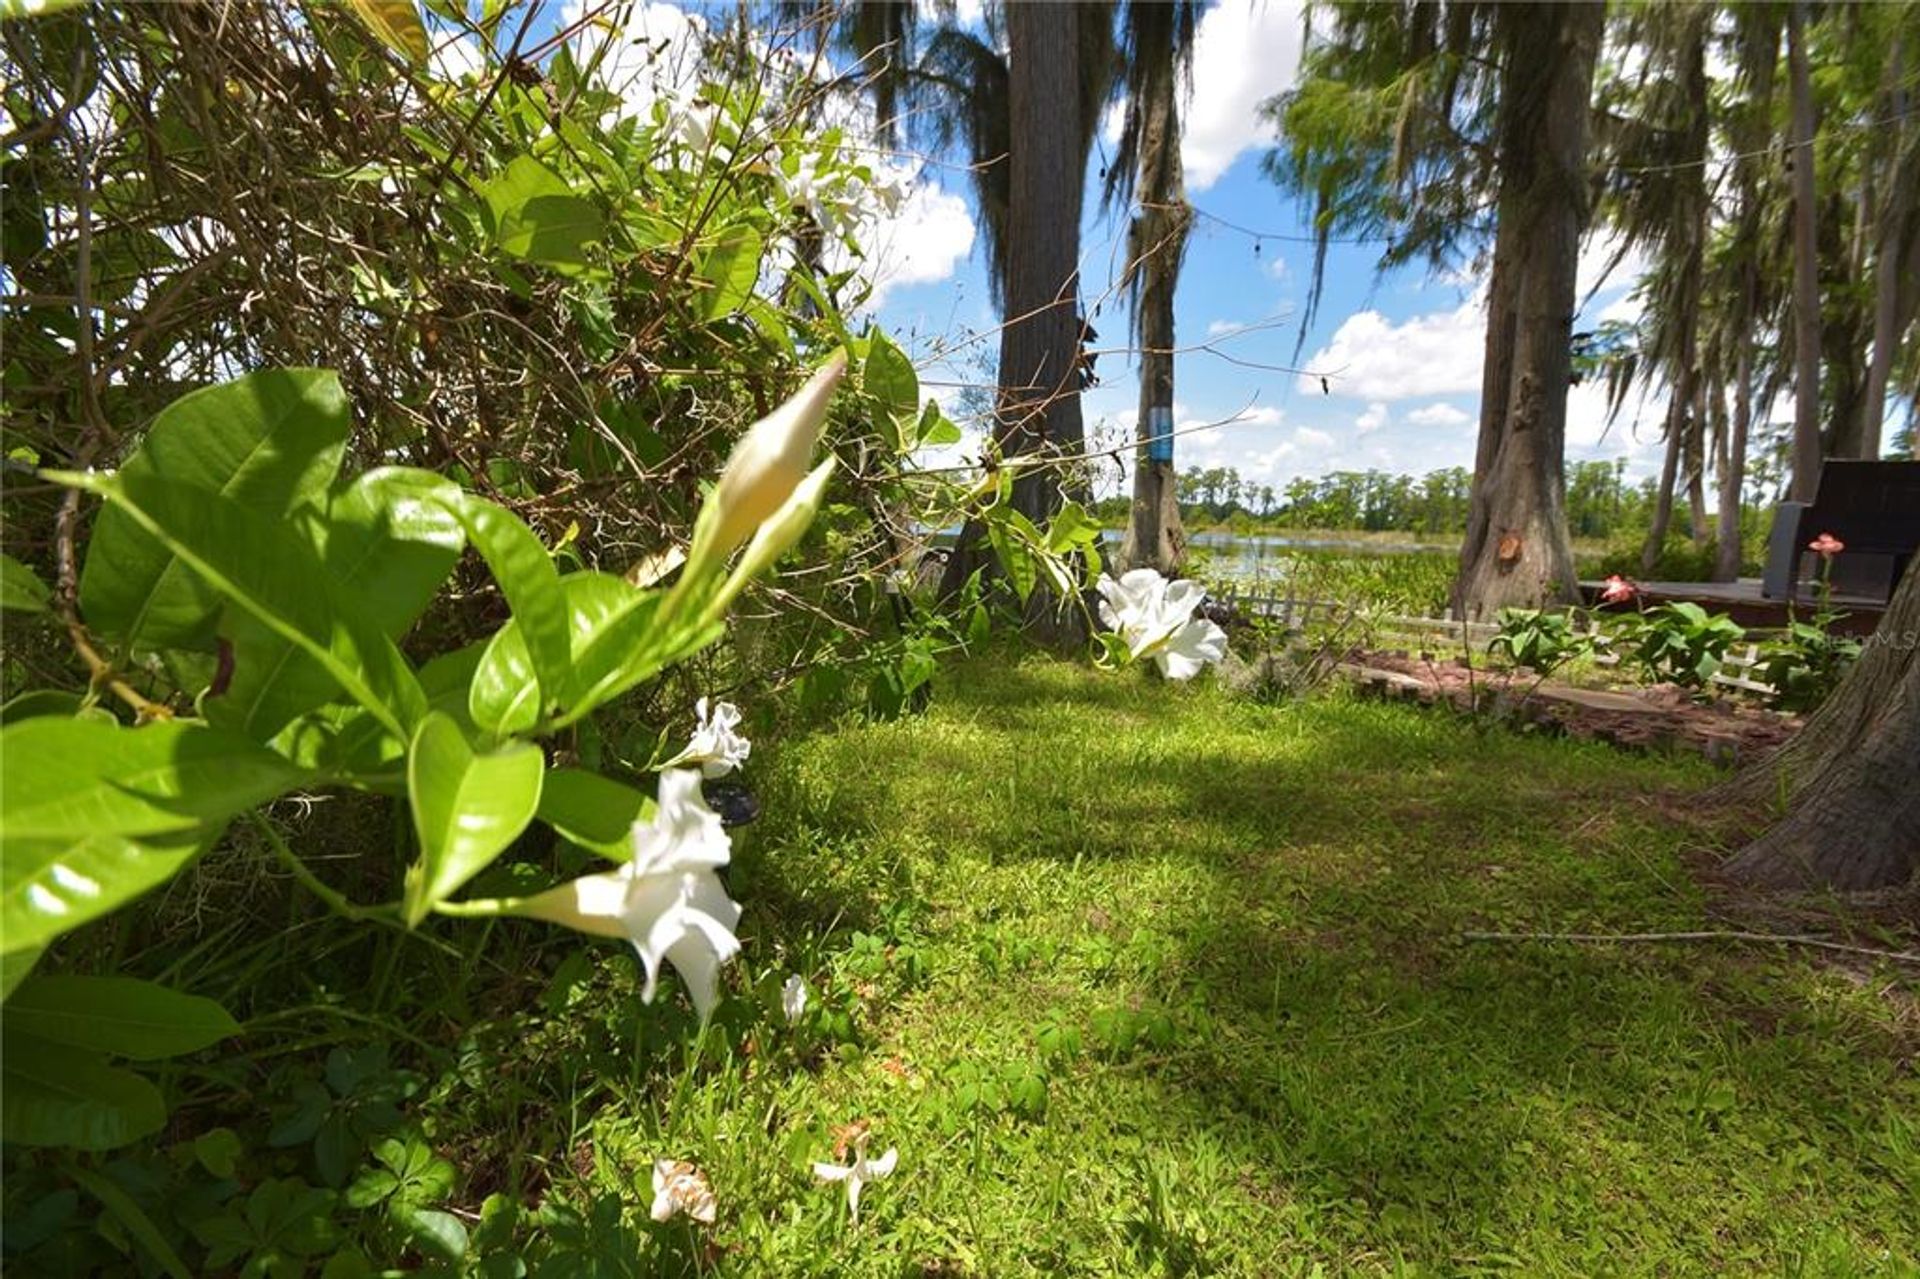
(1142, 979)
(1235, 929)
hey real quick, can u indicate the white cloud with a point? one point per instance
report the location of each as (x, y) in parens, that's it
(1441, 414)
(1244, 52)
(1217, 327)
(921, 244)
(1372, 358)
(1306, 437)
(1260, 415)
(1373, 419)
(1277, 267)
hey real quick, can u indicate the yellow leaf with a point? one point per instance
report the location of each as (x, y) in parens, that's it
(397, 23)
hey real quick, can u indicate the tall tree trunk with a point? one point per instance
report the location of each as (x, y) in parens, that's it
(1517, 551)
(1847, 782)
(1157, 246)
(1806, 280)
(1697, 528)
(1733, 472)
(1038, 404)
(1663, 492)
(1892, 263)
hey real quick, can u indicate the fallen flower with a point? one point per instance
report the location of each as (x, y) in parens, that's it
(680, 1187)
(1617, 590)
(1826, 546)
(793, 998)
(667, 901)
(859, 1172)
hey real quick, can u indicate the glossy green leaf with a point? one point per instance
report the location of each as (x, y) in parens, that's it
(266, 442)
(41, 702)
(50, 886)
(730, 269)
(888, 377)
(14, 967)
(467, 807)
(55, 1095)
(535, 215)
(595, 812)
(388, 542)
(118, 1016)
(21, 590)
(72, 778)
(527, 577)
(264, 567)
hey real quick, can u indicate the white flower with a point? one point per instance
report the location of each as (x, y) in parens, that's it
(679, 1187)
(858, 1173)
(771, 461)
(667, 901)
(793, 998)
(1155, 618)
(693, 127)
(715, 746)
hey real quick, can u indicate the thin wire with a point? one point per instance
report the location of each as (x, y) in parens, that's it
(1768, 150)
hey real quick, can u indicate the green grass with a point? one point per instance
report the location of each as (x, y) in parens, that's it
(1143, 980)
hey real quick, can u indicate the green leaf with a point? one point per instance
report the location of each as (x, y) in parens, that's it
(41, 702)
(936, 429)
(73, 778)
(527, 577)
(134, 1218)
(731, 268)
(434, 1232)
(397, 24)
(14, 967)
(1013, 553)
(264, 567)
(267, 442)
(388, 542)
(466, 808)
(616, 641)
(889, 378)
(21, 589)
(535, 215)
(218, 1150)
(51, 886)
(118, 1016)
(595, 812)
(55, 1095)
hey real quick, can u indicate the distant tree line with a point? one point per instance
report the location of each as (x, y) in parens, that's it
(1600, 501)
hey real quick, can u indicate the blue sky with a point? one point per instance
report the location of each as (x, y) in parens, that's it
(1401, 354)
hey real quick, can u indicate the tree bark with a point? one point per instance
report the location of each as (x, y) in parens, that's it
(1157, 246)
(1038, 402)
(1849, 783)
(1733, 471)
(1663, 492)
(1892, 262)
(1517, 551)
(1806, 280)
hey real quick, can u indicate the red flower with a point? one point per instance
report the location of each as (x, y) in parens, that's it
(1826, 546)
(1617, 590)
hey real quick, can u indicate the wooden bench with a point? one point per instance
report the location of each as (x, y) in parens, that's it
(1873, 507)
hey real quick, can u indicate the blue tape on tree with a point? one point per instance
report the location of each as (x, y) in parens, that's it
(1160, 433)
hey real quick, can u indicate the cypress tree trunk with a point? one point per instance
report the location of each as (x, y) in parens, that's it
(1517, 551)
(1038, 405)
(1850, 781)
(1663, 493)
(1806, 281)
(1157, 243)
(1895, 260)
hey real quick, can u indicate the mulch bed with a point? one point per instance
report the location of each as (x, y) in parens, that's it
(1660, 717)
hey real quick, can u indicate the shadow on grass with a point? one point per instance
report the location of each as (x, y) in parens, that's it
(1412, 1091)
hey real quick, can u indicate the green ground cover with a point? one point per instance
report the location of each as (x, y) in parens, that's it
(1140, 980)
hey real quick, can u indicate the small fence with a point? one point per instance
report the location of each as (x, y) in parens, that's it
(1737, 668)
